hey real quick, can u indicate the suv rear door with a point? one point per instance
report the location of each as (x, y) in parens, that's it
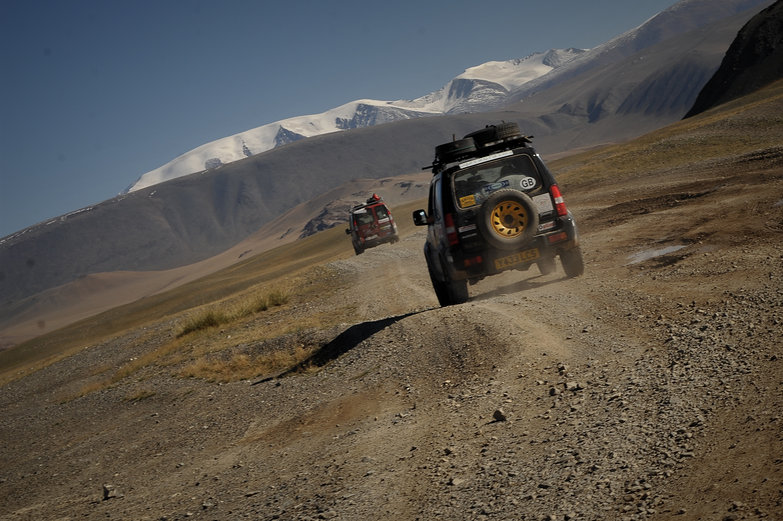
(472, 185)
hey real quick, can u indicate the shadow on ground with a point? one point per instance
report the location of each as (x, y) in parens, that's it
(516, 287)
(344, 342)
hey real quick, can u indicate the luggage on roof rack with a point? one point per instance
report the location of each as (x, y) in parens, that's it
(492, 138)
(495, 133)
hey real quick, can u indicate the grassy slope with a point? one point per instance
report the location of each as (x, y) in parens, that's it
(276, 268)
(743, 126)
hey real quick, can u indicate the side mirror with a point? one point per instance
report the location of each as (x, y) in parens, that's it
(420, 218)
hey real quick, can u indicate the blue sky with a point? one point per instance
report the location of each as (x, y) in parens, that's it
(96, 93)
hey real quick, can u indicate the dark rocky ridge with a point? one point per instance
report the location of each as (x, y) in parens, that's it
(753, 60)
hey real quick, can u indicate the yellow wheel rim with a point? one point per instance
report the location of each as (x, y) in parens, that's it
(509, 219)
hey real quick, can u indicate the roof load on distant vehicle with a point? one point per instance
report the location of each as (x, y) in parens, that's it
(374, 198)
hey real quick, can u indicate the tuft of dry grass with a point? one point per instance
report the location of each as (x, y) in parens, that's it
(277, 297)
(90, 388)
(232, 311)
(203, 320)
(243, 366)
(259, 303)
(140, 395)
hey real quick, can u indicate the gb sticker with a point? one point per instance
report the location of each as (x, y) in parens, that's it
(527, 183)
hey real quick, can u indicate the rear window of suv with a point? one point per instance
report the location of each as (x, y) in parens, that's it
(369, 214)
(381, 212)
(472, 185)
(363, 216)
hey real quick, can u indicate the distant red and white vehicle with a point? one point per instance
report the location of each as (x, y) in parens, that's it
(370, 224)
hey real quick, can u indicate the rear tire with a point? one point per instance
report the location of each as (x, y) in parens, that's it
(457, 291)
(572, 262)
(448, 292)
(547, 265)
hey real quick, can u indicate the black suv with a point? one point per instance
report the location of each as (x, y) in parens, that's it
(493, 206)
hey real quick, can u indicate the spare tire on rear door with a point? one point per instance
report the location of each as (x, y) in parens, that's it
(508, 219)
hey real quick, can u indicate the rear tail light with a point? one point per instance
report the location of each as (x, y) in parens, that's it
(451, 230)
(557, 237)
(473, 261)
(557, 197)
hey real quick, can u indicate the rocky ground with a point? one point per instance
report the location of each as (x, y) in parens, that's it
(651, 388)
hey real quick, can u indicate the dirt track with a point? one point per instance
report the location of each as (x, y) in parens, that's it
(649, 388)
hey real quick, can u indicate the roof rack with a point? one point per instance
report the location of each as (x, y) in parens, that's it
(374, 198)
(478, 144)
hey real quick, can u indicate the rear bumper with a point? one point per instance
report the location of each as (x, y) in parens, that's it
(490, 261)
(384, 236)
(375, 241)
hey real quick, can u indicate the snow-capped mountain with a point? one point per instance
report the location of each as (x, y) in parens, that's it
(478, 89)
(489, 86)
(486, 86)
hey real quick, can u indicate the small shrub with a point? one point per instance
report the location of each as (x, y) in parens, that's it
(218, 370)
(277, 297)
(260, 304)
(204, 320)
(234, 311)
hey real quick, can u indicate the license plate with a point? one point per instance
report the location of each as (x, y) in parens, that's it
(517, 258)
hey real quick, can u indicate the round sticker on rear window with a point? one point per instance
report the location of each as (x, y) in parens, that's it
(527, 183)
